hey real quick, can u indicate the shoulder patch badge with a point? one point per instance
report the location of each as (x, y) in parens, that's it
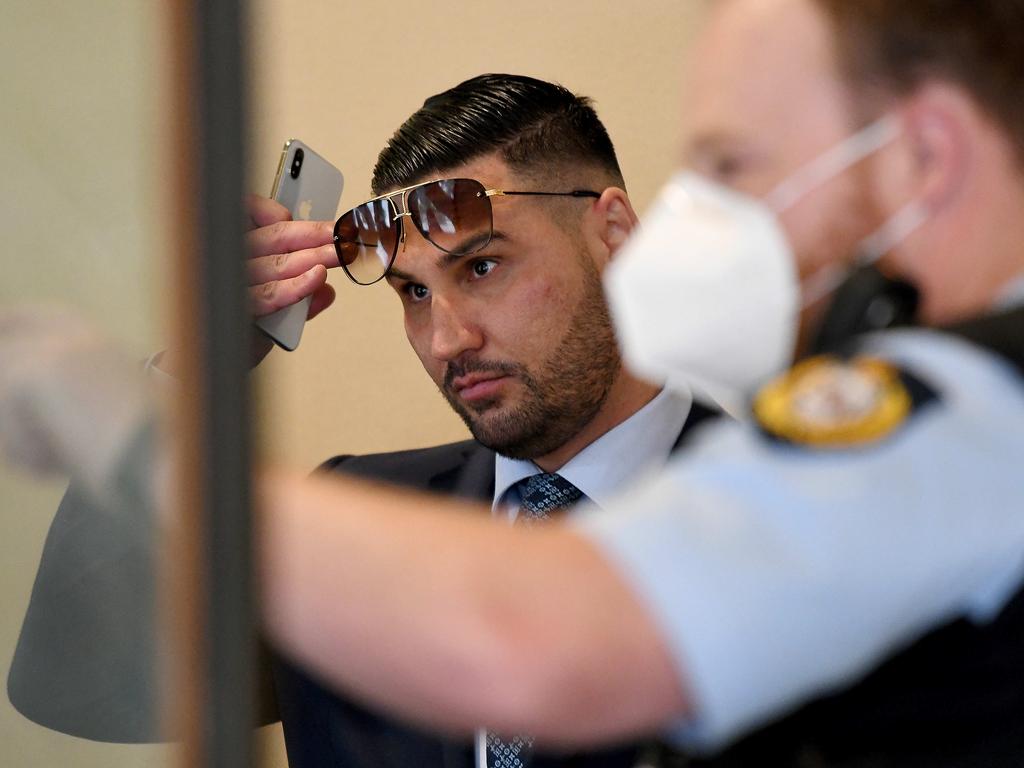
(828, 402)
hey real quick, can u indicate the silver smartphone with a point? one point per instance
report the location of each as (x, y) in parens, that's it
(309, 187)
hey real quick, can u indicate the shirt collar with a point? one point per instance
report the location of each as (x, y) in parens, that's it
(1012, 294)
(609, 463)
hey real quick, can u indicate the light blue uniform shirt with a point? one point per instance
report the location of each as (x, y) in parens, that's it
(778, 573)
(611, 463)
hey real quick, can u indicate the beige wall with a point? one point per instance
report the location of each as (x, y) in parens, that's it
(84, 123)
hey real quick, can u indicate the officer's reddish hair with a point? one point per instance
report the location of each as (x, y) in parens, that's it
(892, 47)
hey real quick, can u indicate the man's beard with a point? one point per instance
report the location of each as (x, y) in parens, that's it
(561, 398)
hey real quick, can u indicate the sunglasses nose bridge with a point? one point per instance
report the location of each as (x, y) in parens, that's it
(401, 227)
(457, 195)
(405, 213)
(400, 213)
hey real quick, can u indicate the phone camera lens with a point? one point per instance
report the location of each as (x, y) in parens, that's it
(297, 163)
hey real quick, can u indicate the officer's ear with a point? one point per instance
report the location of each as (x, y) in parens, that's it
(612, 220)
(940, 125)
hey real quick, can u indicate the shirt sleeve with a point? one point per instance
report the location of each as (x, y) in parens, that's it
(778, 573)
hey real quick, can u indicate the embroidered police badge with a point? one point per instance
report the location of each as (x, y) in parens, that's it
(828, 402)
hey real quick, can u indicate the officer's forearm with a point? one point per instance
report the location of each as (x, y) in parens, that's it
(457, 621)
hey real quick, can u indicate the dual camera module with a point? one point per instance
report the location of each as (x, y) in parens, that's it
(297, 163)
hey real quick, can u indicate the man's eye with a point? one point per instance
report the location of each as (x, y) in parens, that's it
(483, 267)
(727, 167)
(417, 292)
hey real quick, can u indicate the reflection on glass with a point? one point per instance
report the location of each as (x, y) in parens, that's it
(81, 155)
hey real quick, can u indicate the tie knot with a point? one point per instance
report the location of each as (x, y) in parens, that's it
(546, 493)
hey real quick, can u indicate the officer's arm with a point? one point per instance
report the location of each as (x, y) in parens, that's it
(456, 621)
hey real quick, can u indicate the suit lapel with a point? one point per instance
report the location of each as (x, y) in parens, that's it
(476, 479)
(698, 414)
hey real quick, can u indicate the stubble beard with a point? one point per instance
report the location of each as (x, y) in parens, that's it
(560, 398)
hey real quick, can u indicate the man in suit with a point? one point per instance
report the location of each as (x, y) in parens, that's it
(514, 331)
(516, 336)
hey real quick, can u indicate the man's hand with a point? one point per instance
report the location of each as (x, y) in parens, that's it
(288, 261)
(70, 400)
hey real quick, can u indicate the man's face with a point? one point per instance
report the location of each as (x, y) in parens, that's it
(516, 336)
(763, 97)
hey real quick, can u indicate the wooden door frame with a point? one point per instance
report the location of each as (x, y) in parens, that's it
(210, 594)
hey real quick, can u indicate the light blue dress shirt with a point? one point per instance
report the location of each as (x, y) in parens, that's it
(642, 443)
(778, 573)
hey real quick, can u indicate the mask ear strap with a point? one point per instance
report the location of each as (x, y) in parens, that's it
(893, 232)
(833, 162)
(821, 283)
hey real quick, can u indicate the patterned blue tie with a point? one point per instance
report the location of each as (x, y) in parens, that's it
(544, 494)
(540, 496)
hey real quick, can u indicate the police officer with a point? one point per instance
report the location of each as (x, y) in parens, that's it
(836, 581)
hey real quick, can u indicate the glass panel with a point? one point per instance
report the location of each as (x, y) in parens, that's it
(82, 154)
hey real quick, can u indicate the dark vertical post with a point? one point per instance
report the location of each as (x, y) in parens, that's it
(229, 622)
(213, 604)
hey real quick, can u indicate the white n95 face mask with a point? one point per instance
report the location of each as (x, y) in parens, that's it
(706, 292)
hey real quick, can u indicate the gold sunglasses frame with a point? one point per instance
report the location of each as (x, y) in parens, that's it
(404, 213)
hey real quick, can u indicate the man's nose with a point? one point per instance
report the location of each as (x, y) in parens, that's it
(454, 330)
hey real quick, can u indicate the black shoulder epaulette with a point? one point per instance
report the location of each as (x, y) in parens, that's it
(1002, 333)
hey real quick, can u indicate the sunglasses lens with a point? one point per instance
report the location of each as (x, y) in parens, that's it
(366, 239)
(453, 214)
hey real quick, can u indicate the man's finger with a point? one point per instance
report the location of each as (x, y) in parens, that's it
(285, 236)
(282, 266)
(323, 297)
(263, 211)
(270, 297)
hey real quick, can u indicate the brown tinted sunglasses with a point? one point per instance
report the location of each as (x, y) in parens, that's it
(452, 214)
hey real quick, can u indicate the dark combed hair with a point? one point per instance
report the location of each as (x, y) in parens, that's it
(535, 126)
(895, 46)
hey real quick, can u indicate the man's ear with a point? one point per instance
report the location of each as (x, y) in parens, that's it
(613, 220)
(939, 123)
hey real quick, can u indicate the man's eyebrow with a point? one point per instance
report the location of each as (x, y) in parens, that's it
(708, 143)
(400, 275)
(445, 260)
